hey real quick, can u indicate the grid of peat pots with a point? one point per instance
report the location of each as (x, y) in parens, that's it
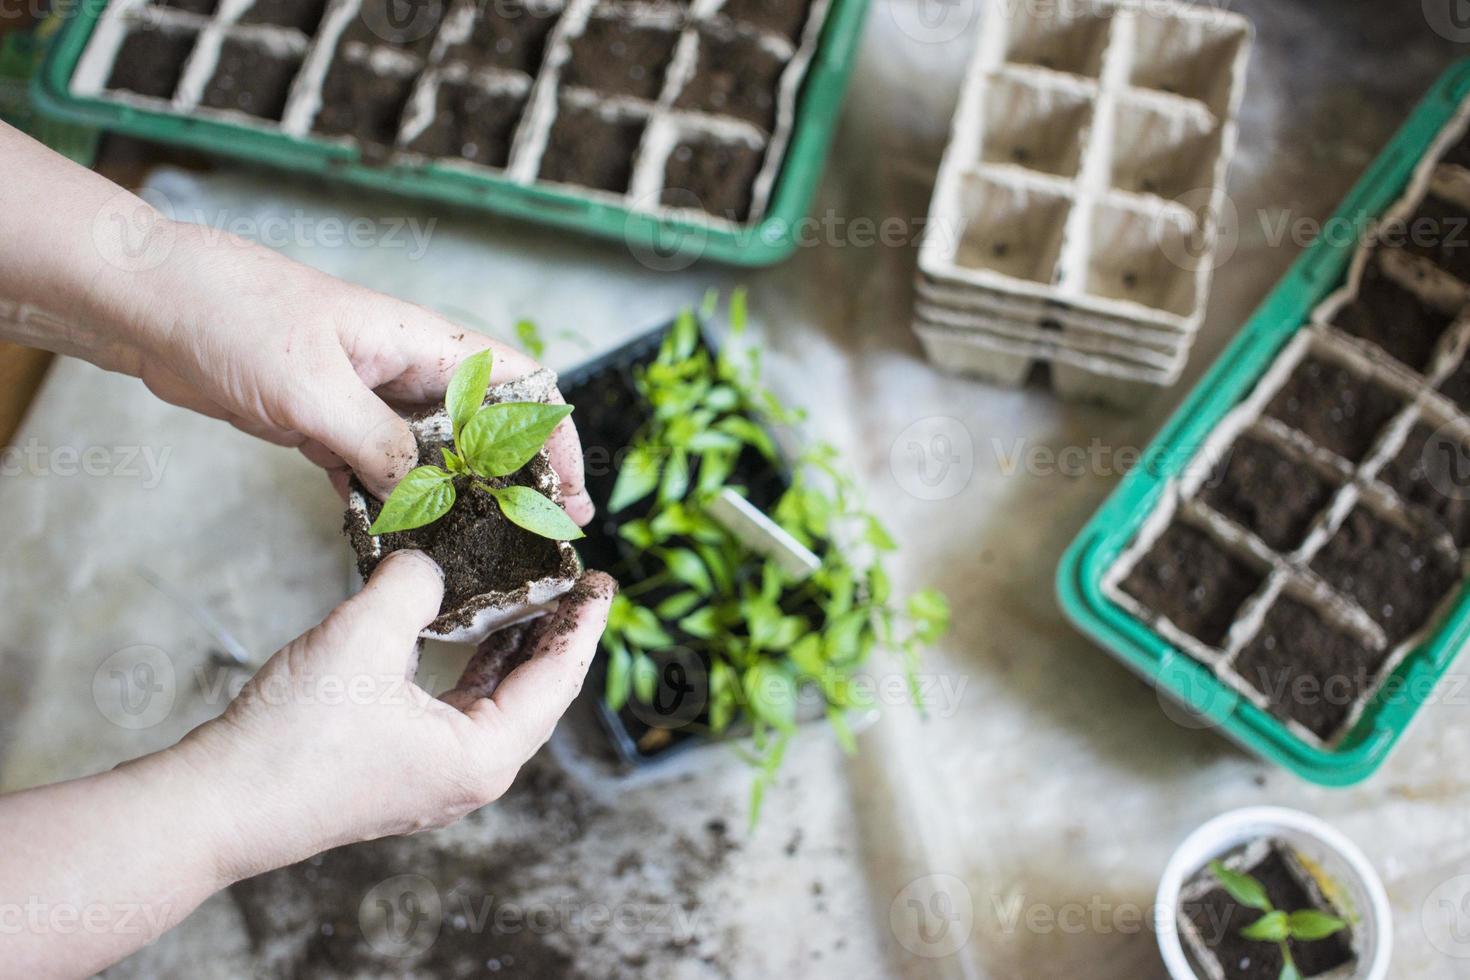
(1074, 220)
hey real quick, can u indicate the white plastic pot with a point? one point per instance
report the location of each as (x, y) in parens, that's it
(1343, 872)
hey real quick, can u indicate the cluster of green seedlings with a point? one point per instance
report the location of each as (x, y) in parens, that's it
(764, 634)
(490, 443)
(1275, 925)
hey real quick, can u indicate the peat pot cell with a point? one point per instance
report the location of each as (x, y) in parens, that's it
(784, 17)
(1218, 919)
(1135, 257)
(1194, 582)
(406, 24)
(591, 150)
(1193, 57)
(359, 101)
(1335, 408)
(1399, 577)
(714, 176)
(1012, 229)
(1036, 127)
(1309, 670)
(734, 76)
(251, 79)
(471, 124)
(304, 15)
(1440, 232)
(1390, 316)
(1266, 492)
(1432, 472)
(1168, 154)
(508, 35)
(1069, 38)
(615, 56)
(204, 8)
(151, 61)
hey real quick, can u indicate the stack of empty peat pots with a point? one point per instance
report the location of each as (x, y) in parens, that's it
(1075, 219)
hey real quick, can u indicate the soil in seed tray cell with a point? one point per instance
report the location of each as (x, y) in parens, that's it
(204, 8)
(251, 79)
(784, 17)
(471, 124)
(512, 37)
(151, 61)
(1218, 919)
(409, 25)
(1309, 670)
(1399, 577)
(1440, 231)
(1194, 582)
(304, 15)
(1386, 314)
(735, 76)
(1264, 491)
(620, 58)
(361, 102)
(591, 150)
(1337, 409)
(1432, 472)
(715, 176)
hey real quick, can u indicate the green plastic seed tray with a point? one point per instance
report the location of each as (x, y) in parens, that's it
(1279, 338)
(667, 233)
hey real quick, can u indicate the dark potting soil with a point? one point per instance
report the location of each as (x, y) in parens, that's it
(1440, 231)
(409, 25)
(615, 56)
(1334, 407)
(718, 177)
(251, 79)
(1396, 575)
(590, 149)
(784, 17)
(1432, 472)
(514, 37)
(1193, 581)
(1456, 387)
(304, 15)
(478, 549)
(204, 8)
(1266, 492)
(151, 61)
(1308, 669)
(361, 102)
(1218, 919)
(471, 124)
(1387, 314)
(736, 76)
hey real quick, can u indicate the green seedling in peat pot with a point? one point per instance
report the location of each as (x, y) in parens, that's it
(1275, 925)
(491, 442)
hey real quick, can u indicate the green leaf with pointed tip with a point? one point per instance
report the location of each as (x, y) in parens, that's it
(452, 463)
(1273, 927)
(645, 678)
(466, 391)
(502, 438)
(530, 337)
(930, 611)
(771, 694)
(619, 673)
(1241, 887)
(528, 509)
(678, 605)
(686, 566)
(637, 477)
(424, 495)
(1310, 924)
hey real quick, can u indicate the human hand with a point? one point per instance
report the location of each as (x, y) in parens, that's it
(333, 743)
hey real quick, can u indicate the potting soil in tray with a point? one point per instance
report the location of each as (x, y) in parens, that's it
(659, 106)
(1212, 920)
(1320, 531)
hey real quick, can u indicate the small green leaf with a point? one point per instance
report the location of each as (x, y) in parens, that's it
(685, 566)
(645, 678)
(675, 483)
(685, 336)
(637, 477)
(749, 433)
(1289, 969)
(639, 534)
(466, 391)
(530, 338)
(771, 693)
(678, 605)
(1310, 924)
(619, 673)
(838, 720)
(528, 509)
(739, 311)
(714, 469)
(1241, 887)
(500, 439)
(452, 463)
(1270, 928)
(702, 623)
(806, 654)
(877, 535)
(929, 608)
(642, 627)
(424, 495)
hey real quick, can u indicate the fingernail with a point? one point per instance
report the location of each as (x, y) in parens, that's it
(416, 555)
